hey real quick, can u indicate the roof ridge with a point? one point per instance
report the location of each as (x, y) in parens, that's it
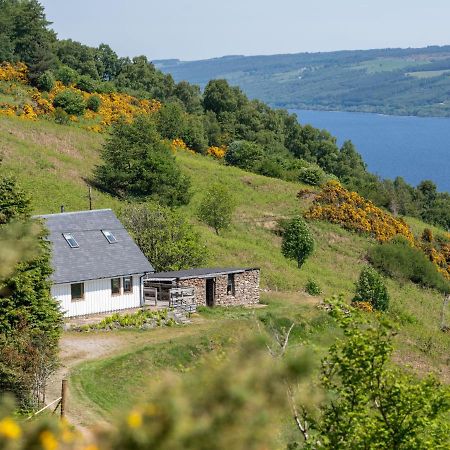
(43, 216)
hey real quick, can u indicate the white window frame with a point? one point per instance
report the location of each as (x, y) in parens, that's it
(108, 235)
(70, 237)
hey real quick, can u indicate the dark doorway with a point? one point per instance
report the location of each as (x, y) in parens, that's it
(210, 291)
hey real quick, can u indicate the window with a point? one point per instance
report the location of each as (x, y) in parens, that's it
(77, 291)
(70, 240)
(109, 236)
(230, 284)
(127, 284)
(115, 286)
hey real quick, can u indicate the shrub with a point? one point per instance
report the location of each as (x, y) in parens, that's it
(399, 260)
(46, 81)
(71, 102)
(371, 289)
(298, 244)
(312, 287)
(244, 154)
(61, 116)
(216, 208)
(353, 212)
(93, 103)
(86, 83)
(313, 175)
(66, 75)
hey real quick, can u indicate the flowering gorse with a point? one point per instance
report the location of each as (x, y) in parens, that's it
(353, 212)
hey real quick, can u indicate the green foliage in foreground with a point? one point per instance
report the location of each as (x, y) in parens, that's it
(298, 243)
(164, 235)
(370, 288)
(399, 260)
(369, 405)
(137, 164)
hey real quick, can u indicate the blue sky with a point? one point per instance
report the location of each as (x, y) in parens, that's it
(198, 29)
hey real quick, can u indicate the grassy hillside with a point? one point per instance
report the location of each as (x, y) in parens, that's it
(388, 81)
(53, 162)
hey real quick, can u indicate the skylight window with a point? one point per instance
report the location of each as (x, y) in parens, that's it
(70, 240)
(109, 236)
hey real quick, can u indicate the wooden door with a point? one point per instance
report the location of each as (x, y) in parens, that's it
(210, 291)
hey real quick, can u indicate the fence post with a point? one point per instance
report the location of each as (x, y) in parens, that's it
(63, 397)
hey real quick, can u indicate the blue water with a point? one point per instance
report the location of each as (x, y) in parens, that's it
(415, 148)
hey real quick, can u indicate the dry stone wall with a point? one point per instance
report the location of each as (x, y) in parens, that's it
(246, 289)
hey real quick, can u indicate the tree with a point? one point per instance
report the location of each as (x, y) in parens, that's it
(30, 318)
(165, 237)
(298, 243)
(220, 97)
(217, 207)
(14, 201)
(25, 36)
(371, 289)
(138, 164)
(190, 96)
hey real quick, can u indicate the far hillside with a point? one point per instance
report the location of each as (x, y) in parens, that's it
(413, 81)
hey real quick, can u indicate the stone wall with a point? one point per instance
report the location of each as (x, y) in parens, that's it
(200, 289)
(246, 289)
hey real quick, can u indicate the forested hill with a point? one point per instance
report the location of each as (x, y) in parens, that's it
(388, 81)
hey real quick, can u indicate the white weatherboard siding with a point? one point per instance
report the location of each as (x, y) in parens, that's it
(97, 297)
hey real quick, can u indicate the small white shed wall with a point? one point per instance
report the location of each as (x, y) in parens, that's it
(97, 297)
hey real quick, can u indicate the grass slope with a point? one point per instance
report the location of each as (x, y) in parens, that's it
(53, 161)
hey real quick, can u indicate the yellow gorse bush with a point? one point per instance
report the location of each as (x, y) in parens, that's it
(178, 144)
(336, 204)
(113, 106)
(13, 72)
(217, 152)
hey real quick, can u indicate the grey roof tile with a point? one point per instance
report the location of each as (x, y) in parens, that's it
(95, 257)
(197, 273)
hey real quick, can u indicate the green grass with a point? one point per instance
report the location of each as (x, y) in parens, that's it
(428, 73)
(53, 162)
(386, 64)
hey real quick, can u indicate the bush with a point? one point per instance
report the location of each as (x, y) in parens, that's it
(61, 116)
(298, 244)
(216, 208)
(66, 75)
(399, 260)
(371, 289)
(46, 81)
(313, 175)
(71, 102)
(93, 103)
(312, 287)
(86, 83)
(244, 154)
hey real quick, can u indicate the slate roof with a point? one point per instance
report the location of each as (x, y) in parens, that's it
(195, 273)
(95, 257)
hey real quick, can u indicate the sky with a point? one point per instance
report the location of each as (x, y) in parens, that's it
(200, 29)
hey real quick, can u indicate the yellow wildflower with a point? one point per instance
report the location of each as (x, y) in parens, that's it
(48, 440)
(134, 419)
(9, 429)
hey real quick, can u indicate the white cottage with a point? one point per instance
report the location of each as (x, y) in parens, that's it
(97, 266)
